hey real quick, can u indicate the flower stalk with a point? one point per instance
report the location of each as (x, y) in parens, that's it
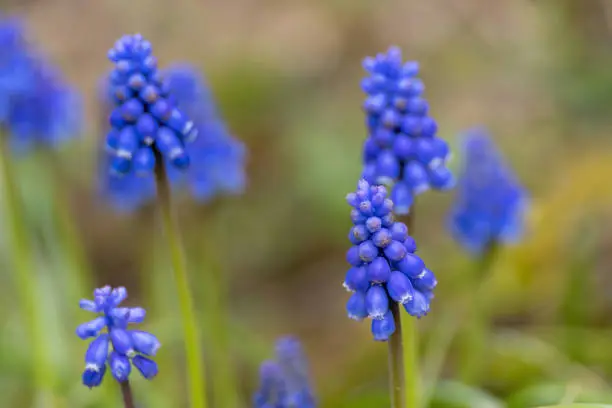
(193, 352)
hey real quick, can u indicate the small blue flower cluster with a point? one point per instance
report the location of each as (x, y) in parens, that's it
(37, 107)
(284, 382)
(384, 265)
(128, 346)
(145, 122)
(218, 159)
(402, 148)
(489, 203)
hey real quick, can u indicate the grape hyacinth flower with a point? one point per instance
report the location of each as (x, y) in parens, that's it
(217, 159)
(147, 127)
(114, 345)
(384, 266)
(37, 107)
(402, 149)
(284, 382)
(489, 203)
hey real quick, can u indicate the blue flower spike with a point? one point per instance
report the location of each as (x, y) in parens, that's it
(384, 266)
(146, 124)
(284, 381)
(490, 203)
(37, 106)
(114, 344)
(402, 149)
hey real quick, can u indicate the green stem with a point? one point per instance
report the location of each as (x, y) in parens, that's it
(474, 340)
(396, 361)
(193, 353)
(126, 392)
(411, 346)
(25, 272)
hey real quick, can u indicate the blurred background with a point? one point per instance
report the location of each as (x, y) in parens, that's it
(285, 75)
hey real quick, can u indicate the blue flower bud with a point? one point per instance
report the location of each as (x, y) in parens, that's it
(356, 279)
(91, 329)
(387, 167)
(353, 200)
(365, 207)
(395, 251)
(411, 125)
(383, 328)
(424, 150)
(417, 106)
(144, 162)
(162, 110)
(89, 305)
(358, 234)
(121, 93)
(122, 342)
(416, 177)
(357, 217)
(352, 256)
(137, 81)
(131, 110)
(144, 342)
(112, 141)
(403, 147)
(402, 198)
(382, 238)
(97, 353)
(411, 265)
(399, 232)
(441, 178)
(117, 296)
(367, 251)
(385, 208)
(147, 367)
(410, 244)
(356, 306)
(116, 119)
(127, 144)
(378, 271)
(120, 366)
(370, 149)
(373, 224)
(418, 306)
(425, 281)
(399, 287)
(377, 302)
(391, 119)
(429, 127)
(146, 127)
(93, 378)
(388, 220)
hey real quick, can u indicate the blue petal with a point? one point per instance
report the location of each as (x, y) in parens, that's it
(120, 366)
(91, 328)
(144, 342)
(147, 367)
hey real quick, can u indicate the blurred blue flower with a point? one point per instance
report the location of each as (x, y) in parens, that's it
(402, 148)
(217, 159)
(384, 267)
(489, 204)
(37, 107)
(284, 382)
(146, 124)
(116, 346)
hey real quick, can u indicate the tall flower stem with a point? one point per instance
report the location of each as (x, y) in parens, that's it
(411, 346)
(396, 361)
(126, 392)
(26, 280)
(473, 342)
(193, 352)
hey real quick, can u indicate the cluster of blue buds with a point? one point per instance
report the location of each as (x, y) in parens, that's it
(284, 382)
(402, 148)
(37, 107)
(217, 158)
(384, 267)
(146, 124)
(128, 346)
(489, 203)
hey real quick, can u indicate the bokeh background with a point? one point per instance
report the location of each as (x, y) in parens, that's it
(286, 78)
